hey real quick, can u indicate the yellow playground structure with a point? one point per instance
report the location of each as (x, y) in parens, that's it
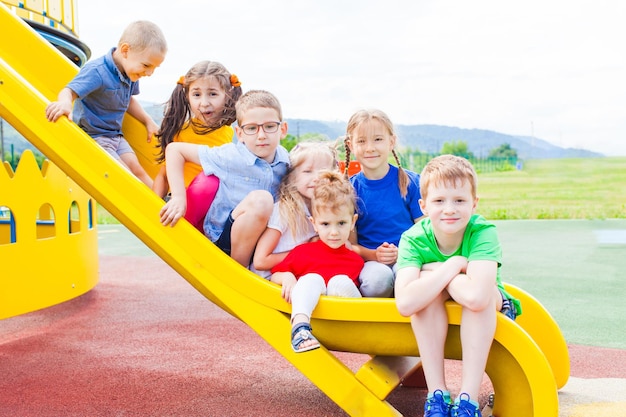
(531, 351)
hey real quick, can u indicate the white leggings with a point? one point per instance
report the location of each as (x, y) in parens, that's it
(307, 291)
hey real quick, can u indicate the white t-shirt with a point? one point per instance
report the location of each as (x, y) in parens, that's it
(286, 241)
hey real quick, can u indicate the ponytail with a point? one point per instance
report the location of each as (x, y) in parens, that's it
(175, 115)
(403, 177)
(346, 141)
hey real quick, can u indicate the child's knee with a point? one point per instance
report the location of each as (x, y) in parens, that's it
(259, 200)
(376, 279)
(342, 286)
(480, 302)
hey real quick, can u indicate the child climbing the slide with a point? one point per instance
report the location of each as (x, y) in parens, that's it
(104, 89)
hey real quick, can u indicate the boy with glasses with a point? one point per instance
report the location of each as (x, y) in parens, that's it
(249, 171)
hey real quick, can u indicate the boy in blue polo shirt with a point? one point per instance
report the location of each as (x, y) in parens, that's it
(250, 172)
(103, 91)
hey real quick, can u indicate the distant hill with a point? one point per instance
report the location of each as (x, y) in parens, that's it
(426, 138)
(430, 138)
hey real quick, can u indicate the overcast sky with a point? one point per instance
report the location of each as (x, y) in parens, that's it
(555, 69)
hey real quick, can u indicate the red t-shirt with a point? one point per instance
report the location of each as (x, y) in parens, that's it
(317, 257)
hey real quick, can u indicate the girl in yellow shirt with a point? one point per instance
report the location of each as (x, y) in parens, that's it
(200, 110)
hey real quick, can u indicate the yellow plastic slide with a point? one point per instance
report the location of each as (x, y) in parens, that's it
(527, 363)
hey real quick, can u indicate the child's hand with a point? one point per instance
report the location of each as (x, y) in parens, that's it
(56, 109)
(288, 283)
(153, 129)
(173, 210)
(387, 253)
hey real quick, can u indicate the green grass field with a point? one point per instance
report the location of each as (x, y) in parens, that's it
(584, 188)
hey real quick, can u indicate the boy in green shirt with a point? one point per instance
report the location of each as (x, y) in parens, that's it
(451, 254)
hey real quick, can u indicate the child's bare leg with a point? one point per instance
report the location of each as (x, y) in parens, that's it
(477, 332)
(160, 185)
(251, 216)
(131, 161)
(430, 326)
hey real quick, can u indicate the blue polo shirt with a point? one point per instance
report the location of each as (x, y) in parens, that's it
(240, 172)
(103, 97)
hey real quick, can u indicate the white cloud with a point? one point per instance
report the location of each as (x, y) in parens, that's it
(554, 68)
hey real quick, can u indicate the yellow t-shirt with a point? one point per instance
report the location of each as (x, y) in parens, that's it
(216, 138)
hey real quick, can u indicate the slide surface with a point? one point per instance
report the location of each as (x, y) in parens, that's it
(26, 87)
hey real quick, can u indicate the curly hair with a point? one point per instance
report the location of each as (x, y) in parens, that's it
(333, 192)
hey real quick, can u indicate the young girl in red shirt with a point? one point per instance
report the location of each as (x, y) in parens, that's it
(323, 267)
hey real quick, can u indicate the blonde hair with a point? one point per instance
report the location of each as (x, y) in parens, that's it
(257, 98)
(333, 192)
(178, 113)
(448, 170)
(142, 35)
(291, 204)
(357, 120)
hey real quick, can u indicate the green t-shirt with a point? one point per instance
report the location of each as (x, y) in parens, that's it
(418, 246)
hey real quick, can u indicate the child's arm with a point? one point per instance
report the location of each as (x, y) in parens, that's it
(61, 107)
(416, 289)
(365, 253)
(387, 253)
(475, 288)
(287, 280)
(176, 154)
(264, 259)
(160, 185)
(138, 112)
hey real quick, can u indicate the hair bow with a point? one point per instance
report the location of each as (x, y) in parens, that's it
(234, 81)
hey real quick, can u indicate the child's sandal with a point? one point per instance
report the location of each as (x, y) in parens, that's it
(302, 333)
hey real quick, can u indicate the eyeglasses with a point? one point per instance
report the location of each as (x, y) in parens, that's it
(268, 127)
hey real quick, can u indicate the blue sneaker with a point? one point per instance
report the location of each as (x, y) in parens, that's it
(464, 407)
(437, 404)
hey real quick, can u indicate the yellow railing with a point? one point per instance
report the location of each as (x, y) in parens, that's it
(58, 14)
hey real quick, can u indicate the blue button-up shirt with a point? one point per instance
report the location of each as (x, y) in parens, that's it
(103, 97)
(240, 172)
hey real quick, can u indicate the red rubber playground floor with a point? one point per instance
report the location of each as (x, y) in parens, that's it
(145, 343)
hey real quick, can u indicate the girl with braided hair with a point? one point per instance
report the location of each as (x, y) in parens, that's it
(200, 110)
(387, 199)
